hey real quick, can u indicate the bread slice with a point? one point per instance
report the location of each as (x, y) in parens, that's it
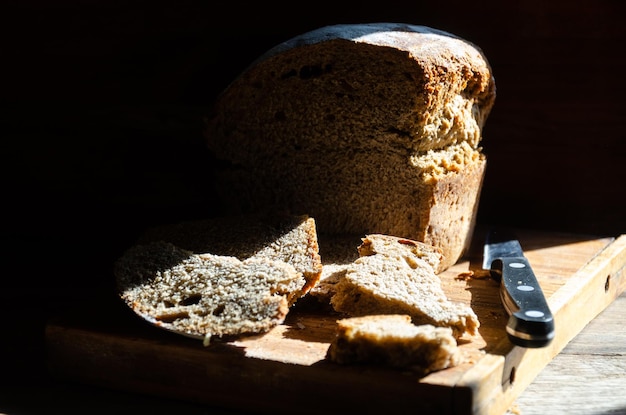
(399, 278)
(221, 276)
(276, 236)
(205, 295)
(341, 251)
(369, 128)
(401, 247)
(393, 340)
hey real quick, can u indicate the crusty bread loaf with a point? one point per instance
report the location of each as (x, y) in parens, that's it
(399, 278)
(272, 235)
(369, 128)
(205, 295)
(393, 340)
(221, 276)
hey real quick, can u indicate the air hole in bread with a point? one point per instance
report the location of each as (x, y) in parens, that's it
(219, 310)
(289, 74)
(168, 304)
(313, 71)
(191, 300)
(170, 318)
(280, 116)
(398, 132)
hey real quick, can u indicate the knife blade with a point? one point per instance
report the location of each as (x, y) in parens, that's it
(531, 323)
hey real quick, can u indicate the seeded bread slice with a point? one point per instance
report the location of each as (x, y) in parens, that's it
(205, 295)
(399, 279)
(393, 340)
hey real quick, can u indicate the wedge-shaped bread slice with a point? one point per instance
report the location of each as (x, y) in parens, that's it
(393, 340)
(205, 295)
(275, 236)
(400, 279)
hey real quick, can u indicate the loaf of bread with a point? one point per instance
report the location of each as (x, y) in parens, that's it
(205, 295)
(369, 128)
(397, 276)
(222, 276)
(393, 340)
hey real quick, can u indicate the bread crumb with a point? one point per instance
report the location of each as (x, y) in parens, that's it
(207, 340)
(473, 274)
(464, 276)
(514, 410)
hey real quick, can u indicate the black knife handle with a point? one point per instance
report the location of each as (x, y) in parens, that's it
(531, 323)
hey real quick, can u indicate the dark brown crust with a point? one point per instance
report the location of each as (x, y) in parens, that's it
(453, 215)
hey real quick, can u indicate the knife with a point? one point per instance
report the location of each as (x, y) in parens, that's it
(531, 323)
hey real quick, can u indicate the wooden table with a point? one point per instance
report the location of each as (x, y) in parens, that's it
(284, 368)
(588, 376)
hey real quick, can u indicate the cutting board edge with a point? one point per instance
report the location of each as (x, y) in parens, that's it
(262, 387)
(490, 398)
(606, 269)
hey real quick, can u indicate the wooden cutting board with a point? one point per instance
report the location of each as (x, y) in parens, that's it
(285, 370)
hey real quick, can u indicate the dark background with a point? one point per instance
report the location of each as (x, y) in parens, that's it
(102, 106)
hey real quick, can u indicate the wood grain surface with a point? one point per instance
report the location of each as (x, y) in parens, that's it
(588, 376)
(581, 276)
(101, 133)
